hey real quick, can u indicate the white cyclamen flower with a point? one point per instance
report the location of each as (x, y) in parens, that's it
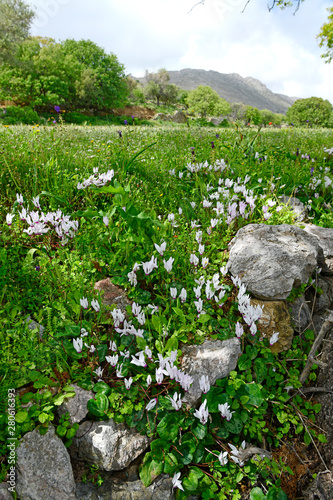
(84, 302)
(77, 343)
(274, 338)
(175, 481)
(95, 305)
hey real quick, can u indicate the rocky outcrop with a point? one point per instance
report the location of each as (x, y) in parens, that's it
(108, 445)
(44, 470)
(214, 359)
(271, 260)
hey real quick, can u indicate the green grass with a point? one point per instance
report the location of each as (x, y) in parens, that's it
(152, 179)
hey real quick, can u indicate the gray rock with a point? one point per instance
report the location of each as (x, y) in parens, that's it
(44, 470)
(297, 207)
(112, 295)
(33, 325)
(216, 121)
(215, 359)
(160, 489)
(321, 488)
(163, 117)
(4, 493)
(300, 314)
(179, 117)
(108, 445)
(325, 298)
(271, 260)
(325, 237)
(76, 406)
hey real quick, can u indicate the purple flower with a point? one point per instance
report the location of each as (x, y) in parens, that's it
(132, 117)
(125, 122)
(119, 132)
(217, 136)
(37, 268)
(311, 171)
(57, 108)
(54, 121)
(212, 144)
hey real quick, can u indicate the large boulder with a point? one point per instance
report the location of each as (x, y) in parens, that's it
(112, 295)
(271, 260)
(44, 470)
(179, 117)
(325, 239)
(108, 445)
(215, 359)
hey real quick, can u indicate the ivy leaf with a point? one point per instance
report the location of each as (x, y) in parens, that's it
(169, 426)
(150, 469)
(99, 405)
(21, 416)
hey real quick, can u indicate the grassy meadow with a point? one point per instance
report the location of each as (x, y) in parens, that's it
(153, 208)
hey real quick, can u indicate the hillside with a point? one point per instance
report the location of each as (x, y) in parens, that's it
(233, 88)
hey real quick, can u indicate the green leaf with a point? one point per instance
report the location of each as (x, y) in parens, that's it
(168, 427)
(158, 448)
(244, 362)
(257, 494)
(86, 384)
(203, 318)
(43, 417)
(102, 388)
(170, 464)
(235, 425)
(21, 416)
(102, 351)
(150, 469)
(99, 405)
(321, 438)
(56, 197)
(199, 430)
(253, 391)
(61, 431)
(260, 369)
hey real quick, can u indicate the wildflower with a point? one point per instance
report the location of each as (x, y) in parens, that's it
(274, 338)
(159, 375)
(139, 362)
(136, 309)
(99, 371)
(125, 122)
(9, 219)
(173, 292)
(160, 248)
(149, 380)
(151, 404)
(205, 262)
(176, 401)
(128, 382)
(119, 370)
(184, 380)
(197, 291)
(198, 237)
(214, 222)
(77, 344)
(141, 318)
(175, 481)
(204, 384)
(153, 308)
(84, 302)
(194, 259)
(168, 264)
(106, 220)
(19, 199)
(225, 411)
(95, 305)
(223, 458)
(239, 330)
(267, 215)
(199, 305)
(57, 109)
(113, 360)
(35, 201)
(113, 346)
(235, 453)
(149, 266)
(202, 414)
(132, 278)
(183, 295)
(201, 249)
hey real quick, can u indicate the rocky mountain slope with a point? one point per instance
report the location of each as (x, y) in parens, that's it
(233, 88)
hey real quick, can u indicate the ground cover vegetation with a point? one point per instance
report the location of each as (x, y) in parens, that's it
(154, 209)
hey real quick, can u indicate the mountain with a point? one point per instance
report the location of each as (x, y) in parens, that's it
(233, 88)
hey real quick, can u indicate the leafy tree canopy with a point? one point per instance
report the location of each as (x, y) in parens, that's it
(326, 37)
(205, 101)
(73, 74)
(15, 22)
(313, 111)
(158, 87)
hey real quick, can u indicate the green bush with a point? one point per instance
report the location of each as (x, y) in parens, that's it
(15, 115)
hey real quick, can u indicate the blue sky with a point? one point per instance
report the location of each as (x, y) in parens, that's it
(277, 47)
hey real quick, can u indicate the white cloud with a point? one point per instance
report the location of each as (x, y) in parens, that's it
(278, 48)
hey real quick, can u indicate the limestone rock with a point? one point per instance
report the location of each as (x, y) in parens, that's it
(112, 295)
(179, 117)
(300, 314)
(275, 318)
(215, 359)
(108, 445)
(325, 237)
(271, 260)
(44, 470)
(216, 120)
(162, 116)
(297, 207)
(33, 325)
(160, 489)
(76, 406)
(321, 488)
(4, 493)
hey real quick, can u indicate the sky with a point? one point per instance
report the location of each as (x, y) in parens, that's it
(279, 48)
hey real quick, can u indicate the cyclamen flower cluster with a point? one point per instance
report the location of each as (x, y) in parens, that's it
(97, 179)
(250, 313)
(40, 223)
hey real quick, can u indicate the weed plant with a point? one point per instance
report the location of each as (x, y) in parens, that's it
(154, 209)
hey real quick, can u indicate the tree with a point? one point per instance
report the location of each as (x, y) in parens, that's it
(326, 37)
(158, 87)
(313, 111)
(253, 115)
(15, 22)
(204, 100)
(71, 74)
(268, 117)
